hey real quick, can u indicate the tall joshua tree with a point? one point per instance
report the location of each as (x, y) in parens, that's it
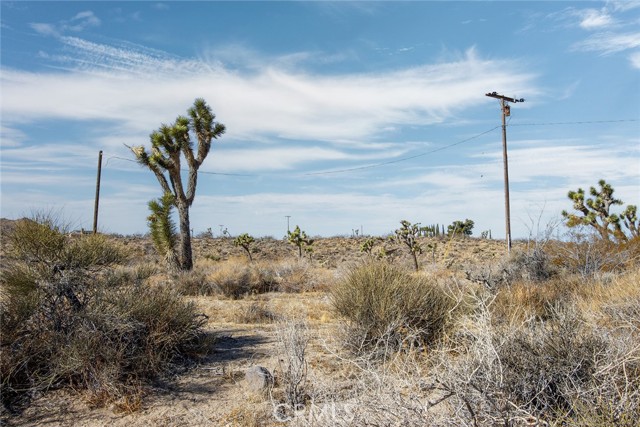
(168, 144)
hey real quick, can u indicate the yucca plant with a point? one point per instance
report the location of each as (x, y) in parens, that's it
(163, 229)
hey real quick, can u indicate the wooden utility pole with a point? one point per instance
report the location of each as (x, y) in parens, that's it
(506, 111)
(95, 207)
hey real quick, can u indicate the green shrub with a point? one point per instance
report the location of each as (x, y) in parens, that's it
(384, 306)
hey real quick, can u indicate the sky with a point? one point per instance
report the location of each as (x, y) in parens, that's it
(340, 116)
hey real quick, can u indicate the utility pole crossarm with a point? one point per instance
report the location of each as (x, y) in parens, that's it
(506, 98)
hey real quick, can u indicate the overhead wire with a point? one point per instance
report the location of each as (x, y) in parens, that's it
(575, 123)
(403, 159)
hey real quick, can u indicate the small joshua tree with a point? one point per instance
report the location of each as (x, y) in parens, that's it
(168, 144)
(463, 228)
(300, 239)
(163, 229)
(408, 234)
(367, 245)
(595, 212)
(245, 241)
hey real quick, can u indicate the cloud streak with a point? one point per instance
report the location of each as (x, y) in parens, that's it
(107, 82)
(80, 22)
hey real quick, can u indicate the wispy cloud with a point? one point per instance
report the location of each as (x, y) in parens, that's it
(608, 27)
(569, 90)
(80, 22)
(594, 18)
(11, 137)
(107, 82)
(635, 59)
(530, 160)
(608, 43)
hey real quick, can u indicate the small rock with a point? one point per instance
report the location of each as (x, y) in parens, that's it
(258, 378)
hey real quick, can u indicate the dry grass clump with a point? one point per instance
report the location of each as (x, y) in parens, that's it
(67, 321)
(237, 278)
(301, 276)
(255, 312)
(524, 300)
(383, 305)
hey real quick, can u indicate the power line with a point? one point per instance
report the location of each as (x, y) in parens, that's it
(403, 159)
(184, 170)
(375, 165)
(574, 123)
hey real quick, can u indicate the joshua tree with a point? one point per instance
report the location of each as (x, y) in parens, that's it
(367, 245)
(244, 241)
(595, 212)
(168, 144)
(300, 239)
(460, 227)
(163, 229)
(408, 235)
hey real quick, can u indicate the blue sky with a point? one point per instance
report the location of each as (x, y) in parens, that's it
(341, 115)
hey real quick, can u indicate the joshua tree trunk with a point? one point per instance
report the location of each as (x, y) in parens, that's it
(185, 254)
(415, 261)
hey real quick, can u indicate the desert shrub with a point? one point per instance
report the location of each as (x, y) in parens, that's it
(130, 274)
(193, 283)
(383, 304)
(39, 239)
(542, 371)
(523, 300)
(292, 341)
(546, 364)
(588, 255)
(256, 312)
(66, 320)
(43, 242)
(299, 276)
(530, 265)
(235, 279)
(118, 335)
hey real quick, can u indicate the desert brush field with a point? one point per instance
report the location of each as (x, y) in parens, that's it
(97, 331)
